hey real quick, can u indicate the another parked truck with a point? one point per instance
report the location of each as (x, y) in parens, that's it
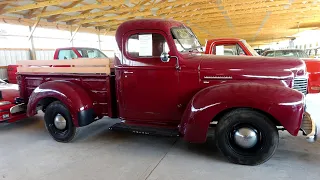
(162, 83)
(240, 47)
(62, 54)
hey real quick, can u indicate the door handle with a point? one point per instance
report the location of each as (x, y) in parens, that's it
(128, 72)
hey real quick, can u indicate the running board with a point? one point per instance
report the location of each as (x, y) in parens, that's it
(145, 130)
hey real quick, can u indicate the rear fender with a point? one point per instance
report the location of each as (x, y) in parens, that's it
(285, 105)
(73, 96)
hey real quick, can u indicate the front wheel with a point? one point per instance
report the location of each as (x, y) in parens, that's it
(246, 137)
(59, 123)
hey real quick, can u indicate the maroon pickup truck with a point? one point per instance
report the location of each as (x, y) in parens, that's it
(162, 82)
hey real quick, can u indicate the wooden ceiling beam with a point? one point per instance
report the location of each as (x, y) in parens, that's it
(80, 8)
(6, 2)
(198, 15)
(273, 21)
(134, 10)
(35, 5)
(44, 24)
(71, 5)
(31, 13)
(83, 12)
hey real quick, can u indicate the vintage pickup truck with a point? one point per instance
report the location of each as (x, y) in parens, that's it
(162, 83)
(235, 46)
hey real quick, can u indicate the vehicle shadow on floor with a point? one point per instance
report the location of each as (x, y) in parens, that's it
(99, 131)
(31, 123)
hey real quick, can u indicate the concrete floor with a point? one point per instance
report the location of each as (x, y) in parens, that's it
(28, 152)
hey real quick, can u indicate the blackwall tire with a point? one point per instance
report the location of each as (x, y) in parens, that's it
(63, 134)
(237, 149)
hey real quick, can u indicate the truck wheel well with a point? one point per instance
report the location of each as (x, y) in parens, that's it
(43, 103)
(224, 112)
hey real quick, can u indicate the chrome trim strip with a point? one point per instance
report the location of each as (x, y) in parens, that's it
(217, 77)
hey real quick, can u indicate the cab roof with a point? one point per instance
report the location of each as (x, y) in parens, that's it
(224, 39)
(145, 24)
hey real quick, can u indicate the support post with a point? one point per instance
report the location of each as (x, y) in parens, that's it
(99, 40)
(73, 34)
(32, 50)
(33, 28)
(71, 42)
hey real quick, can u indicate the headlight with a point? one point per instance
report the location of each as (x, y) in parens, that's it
(4, 103)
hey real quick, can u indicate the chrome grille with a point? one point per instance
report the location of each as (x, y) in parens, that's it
(300, 84)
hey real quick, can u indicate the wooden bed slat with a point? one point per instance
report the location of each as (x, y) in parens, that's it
(65, 66)
(82, 62)
(103, 70)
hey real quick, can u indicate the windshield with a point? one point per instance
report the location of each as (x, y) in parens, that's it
(291, 53)
(91, 53)
(185, 40)
(252, 51)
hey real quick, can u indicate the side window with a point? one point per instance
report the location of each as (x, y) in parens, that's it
(66, 54)
(228, 50)
(270, 54)
(146, 45)
(279, 53)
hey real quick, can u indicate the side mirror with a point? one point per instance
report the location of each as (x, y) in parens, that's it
(164, 57)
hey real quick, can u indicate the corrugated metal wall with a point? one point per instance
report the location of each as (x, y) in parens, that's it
(3, 73)
(43, 54)
(11, 56)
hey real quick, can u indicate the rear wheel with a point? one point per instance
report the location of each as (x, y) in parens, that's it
(59, 123)
(246, 137)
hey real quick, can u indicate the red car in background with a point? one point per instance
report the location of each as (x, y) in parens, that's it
(239, 47)
(62, 54)
(11, 107)
(78, 52)
(313, 65)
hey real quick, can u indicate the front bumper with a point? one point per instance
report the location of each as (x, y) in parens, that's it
(309, 128)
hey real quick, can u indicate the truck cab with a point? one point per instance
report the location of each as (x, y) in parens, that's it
(239, 47)
(78, 52)
(163, 81)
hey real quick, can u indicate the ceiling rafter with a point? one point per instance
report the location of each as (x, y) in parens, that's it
(71, 5)
(81, 8)
(209, 19)
(35, 5)
(133, 9)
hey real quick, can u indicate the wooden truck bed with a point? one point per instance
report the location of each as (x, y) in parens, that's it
(92, 75)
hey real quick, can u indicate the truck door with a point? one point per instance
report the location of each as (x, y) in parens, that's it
(149, 87)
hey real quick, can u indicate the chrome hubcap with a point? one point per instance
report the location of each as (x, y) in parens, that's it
(60, 122)
(246, 137)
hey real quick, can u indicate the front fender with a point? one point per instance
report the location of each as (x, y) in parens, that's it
(284, 104)
(73, 96)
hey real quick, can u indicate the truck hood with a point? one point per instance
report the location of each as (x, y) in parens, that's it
(248, 67)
